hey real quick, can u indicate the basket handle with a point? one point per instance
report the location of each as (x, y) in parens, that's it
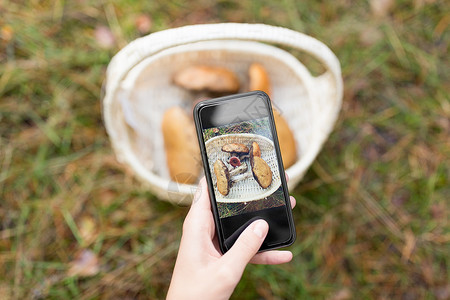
(143, 47)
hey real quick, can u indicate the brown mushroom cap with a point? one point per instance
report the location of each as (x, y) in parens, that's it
(234, 161)
(235, 148)
(223, 177)
(255, 150)
(259, 79)
(261, 171)
(286, 138)
(207, 78)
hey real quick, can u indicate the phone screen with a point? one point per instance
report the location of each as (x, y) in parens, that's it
(244, 168)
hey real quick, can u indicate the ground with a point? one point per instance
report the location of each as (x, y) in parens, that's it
(372, 211)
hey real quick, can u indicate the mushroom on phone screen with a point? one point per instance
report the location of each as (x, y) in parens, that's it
(235, 161)
(240, 173)
(226, 178)
(223, 177)
(236, 150)
(261, 171)
(239, 170)
(255, 150)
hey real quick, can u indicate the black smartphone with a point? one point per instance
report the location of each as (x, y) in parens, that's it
(243, 168)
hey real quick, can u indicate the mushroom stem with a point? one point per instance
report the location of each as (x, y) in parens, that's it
(244, 156)
(241, 169)
(241, 177)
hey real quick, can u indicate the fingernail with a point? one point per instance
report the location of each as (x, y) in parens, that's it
(260, 228)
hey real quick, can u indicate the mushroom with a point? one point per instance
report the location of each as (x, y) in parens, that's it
(239, 170)
(243, 156)
(235, 149)
(255, 150)
(235, 161)
(286, 138)
(182, 151)
(226, 178)
(207, 78)
(223, 177)
(261, 171)
(241, 175)
(259, 79)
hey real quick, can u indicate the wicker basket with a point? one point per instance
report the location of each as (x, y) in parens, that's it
(139, 89)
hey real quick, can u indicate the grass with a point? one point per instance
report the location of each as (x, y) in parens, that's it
(260, 127)
(372, 215)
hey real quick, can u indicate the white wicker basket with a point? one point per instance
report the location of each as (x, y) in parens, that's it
(139, 89)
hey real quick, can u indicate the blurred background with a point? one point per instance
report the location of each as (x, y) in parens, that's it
(372, 212)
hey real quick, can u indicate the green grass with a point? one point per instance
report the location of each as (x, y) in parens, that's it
(372, 215)
(260, 127)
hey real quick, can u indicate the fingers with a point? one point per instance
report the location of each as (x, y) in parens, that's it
(293, 201)
(199, 219)
(201, 198)
(272, 257)
(246, 246)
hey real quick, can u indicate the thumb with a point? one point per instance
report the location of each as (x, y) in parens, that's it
(247, 245)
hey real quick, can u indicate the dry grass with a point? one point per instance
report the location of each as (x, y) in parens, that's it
(372, 215)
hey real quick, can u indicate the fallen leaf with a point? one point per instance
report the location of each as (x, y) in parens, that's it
(88, 229)
(5, 291)
(104, 37)
(143, 24)
(105, 197)
(69, 170)
(85, 264)
(6, 33)
(442, 292)
(443, 123)
(427, 271)
(370, 36)
(342, 294)
(381, 8)
(437, 210)
(410, 244)
(418, 4)
(400, 197)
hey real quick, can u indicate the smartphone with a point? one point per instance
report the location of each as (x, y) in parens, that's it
(243, 168)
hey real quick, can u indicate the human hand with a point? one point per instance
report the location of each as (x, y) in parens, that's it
(201, 270)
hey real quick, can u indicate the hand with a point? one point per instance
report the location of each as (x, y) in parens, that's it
(201, 270)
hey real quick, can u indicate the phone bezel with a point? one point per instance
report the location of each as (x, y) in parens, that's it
(218, 223)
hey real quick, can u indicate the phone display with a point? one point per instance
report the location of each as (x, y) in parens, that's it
(243, 168)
